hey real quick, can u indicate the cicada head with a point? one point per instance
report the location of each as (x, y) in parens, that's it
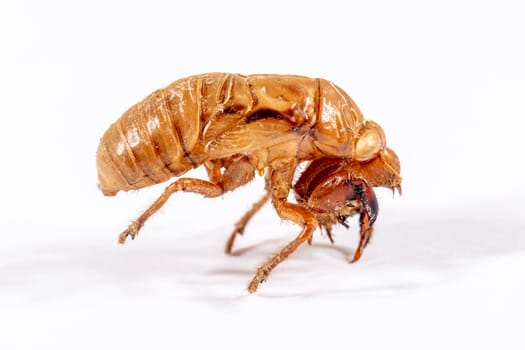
(341, 187)
(383, 170)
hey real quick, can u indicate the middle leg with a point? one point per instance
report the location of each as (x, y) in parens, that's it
(279, 183)
(299, 215)
(241, 224)
(237, 171)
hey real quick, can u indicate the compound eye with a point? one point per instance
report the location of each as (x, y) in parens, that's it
(371, 141)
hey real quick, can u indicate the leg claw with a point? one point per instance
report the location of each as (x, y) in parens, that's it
(132, 231)
(260, 277)
(231, 239)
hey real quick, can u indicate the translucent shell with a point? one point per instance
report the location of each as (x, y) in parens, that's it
(370, 142)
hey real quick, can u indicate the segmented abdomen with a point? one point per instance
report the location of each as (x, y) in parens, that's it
(152, 141)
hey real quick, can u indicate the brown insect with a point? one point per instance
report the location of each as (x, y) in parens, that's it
(237, 125)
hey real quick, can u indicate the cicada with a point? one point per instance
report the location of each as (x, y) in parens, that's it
(237, 126)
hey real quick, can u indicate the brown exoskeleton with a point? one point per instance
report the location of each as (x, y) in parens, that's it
(237, 125)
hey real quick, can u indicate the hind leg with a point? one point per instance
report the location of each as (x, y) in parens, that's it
(206, 188)
(238, 171)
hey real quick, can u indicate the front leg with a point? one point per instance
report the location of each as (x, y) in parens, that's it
(368, 213)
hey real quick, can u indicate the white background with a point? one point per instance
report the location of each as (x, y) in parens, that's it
(446, 80)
